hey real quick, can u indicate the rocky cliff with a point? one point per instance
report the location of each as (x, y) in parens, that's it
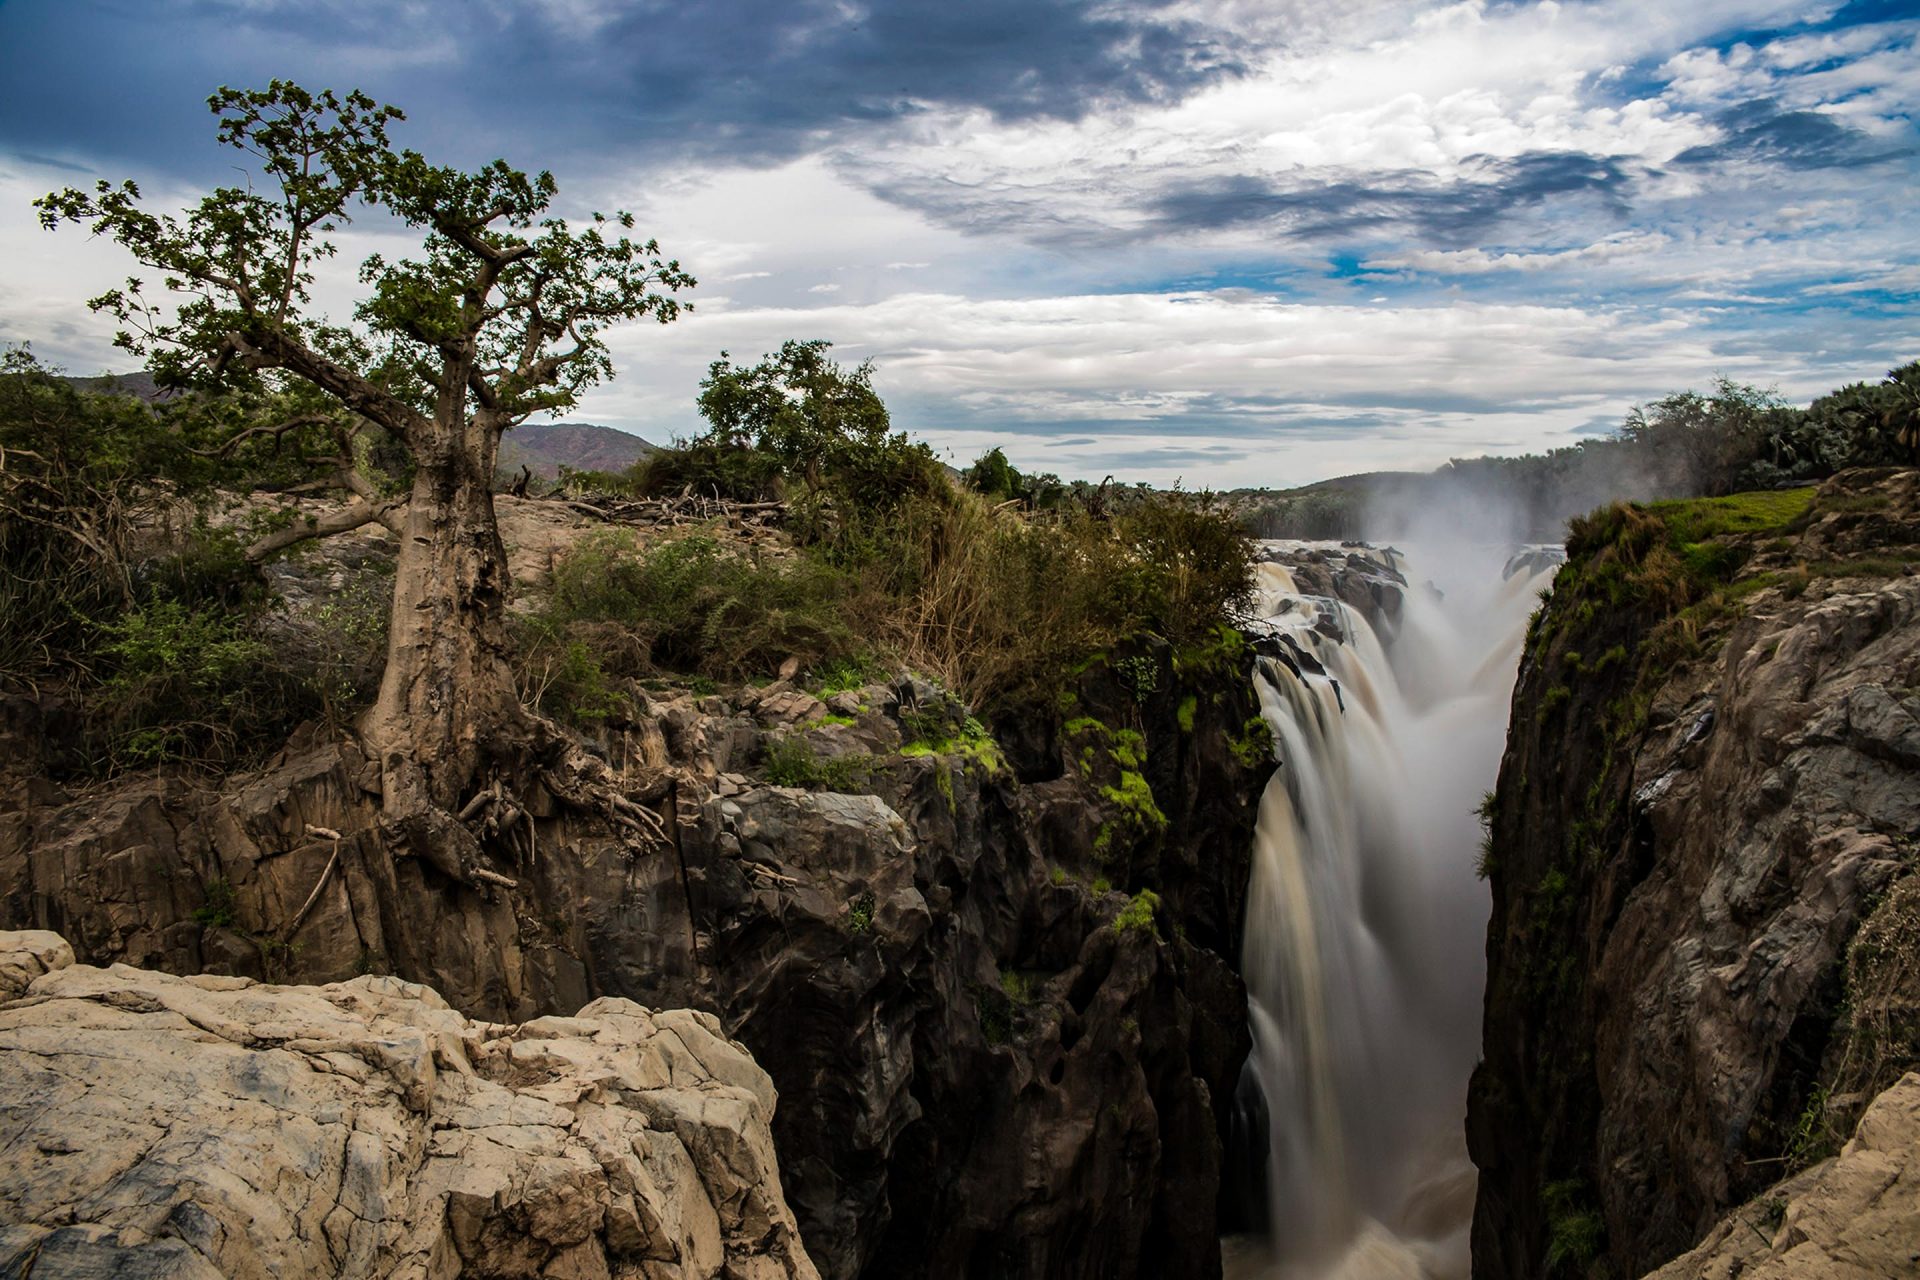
(210, 1126)
(990, 969)
(1700, 959)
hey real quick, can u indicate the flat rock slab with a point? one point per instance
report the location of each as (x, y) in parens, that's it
(164, 1126)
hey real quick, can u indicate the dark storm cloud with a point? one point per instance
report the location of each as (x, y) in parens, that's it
(1431, 210)
(1437, 212)
(743, 79)
(1760, 131)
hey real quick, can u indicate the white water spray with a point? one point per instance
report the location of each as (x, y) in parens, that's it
(1365, 922)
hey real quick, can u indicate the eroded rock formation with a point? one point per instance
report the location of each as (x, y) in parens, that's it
(210, 1126)
(1700, 805)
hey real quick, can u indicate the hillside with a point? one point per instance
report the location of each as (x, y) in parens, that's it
(578, 446)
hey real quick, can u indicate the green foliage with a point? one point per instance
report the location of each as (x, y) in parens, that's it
(1876, 1037)
(1732, 438)
(1552, 701)
(844, 674)
(998, 480)
(1137, 915)
(710, 468)
(926, 736)
(996, 1012)
(69, 467)
(1575, 1231)
(1253, 749)
(574, 686)
(1139, 673)
(792, 761)
(486, 281)
(693, 605)
(191, 685)
(219, 910)
(1813, 1139)
(822, 425)
(1002, 606)
(1316, 514)
(1698, 519)
(994, 603)
(1189, 707)
(860, 914)
(1484, 812)
(1134, 799)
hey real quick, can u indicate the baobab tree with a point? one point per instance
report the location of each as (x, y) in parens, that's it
(500, 314)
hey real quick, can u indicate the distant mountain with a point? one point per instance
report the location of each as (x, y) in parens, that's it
(579, 446)
(544, 446)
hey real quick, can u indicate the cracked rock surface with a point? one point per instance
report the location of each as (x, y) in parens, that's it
(1854, 1217)
(213, 1126)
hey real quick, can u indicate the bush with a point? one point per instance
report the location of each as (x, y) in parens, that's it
(695, 607)
(193, 686)
(715, 470)
(1000, 605)
(823, 428)
(69, 467)
(994, 478)
(1137, 915)
(791, 761)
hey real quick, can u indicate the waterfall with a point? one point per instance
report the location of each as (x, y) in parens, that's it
(1365, 921)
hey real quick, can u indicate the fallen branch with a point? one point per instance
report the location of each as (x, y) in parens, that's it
(326, 874)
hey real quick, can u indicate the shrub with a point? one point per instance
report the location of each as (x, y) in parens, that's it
(736, 472)
(1003, 606)
(694, 606)
(792, 761)
(184, 685)
(69, 467)
(1137, 915)
(1575, 1230)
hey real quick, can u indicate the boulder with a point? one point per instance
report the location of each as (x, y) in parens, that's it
(156, 1125)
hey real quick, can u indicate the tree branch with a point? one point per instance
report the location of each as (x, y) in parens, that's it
(358, 514)
(276, 431)
(275, 348)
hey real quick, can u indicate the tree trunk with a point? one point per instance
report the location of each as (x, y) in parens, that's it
(447, 695)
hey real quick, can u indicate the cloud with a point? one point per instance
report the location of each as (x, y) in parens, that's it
(1408, 202)
(1760, 132)
(1228, 238)
(740, 79)
(1624, 244)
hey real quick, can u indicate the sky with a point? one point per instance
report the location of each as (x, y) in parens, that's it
(1229, 242)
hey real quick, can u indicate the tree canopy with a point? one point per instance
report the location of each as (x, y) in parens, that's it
(500, 312)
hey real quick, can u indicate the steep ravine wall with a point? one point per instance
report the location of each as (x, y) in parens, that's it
(994, 1053)
(1712, 782)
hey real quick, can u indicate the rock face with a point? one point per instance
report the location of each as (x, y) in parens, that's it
(213, 1127)
(979, 1073)
(1700, 805)
(1853, 1217)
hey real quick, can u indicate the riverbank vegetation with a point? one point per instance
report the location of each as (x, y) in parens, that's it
(128, 592)
(1734, 439)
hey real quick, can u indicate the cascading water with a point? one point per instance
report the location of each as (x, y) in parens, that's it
(1366, 923)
